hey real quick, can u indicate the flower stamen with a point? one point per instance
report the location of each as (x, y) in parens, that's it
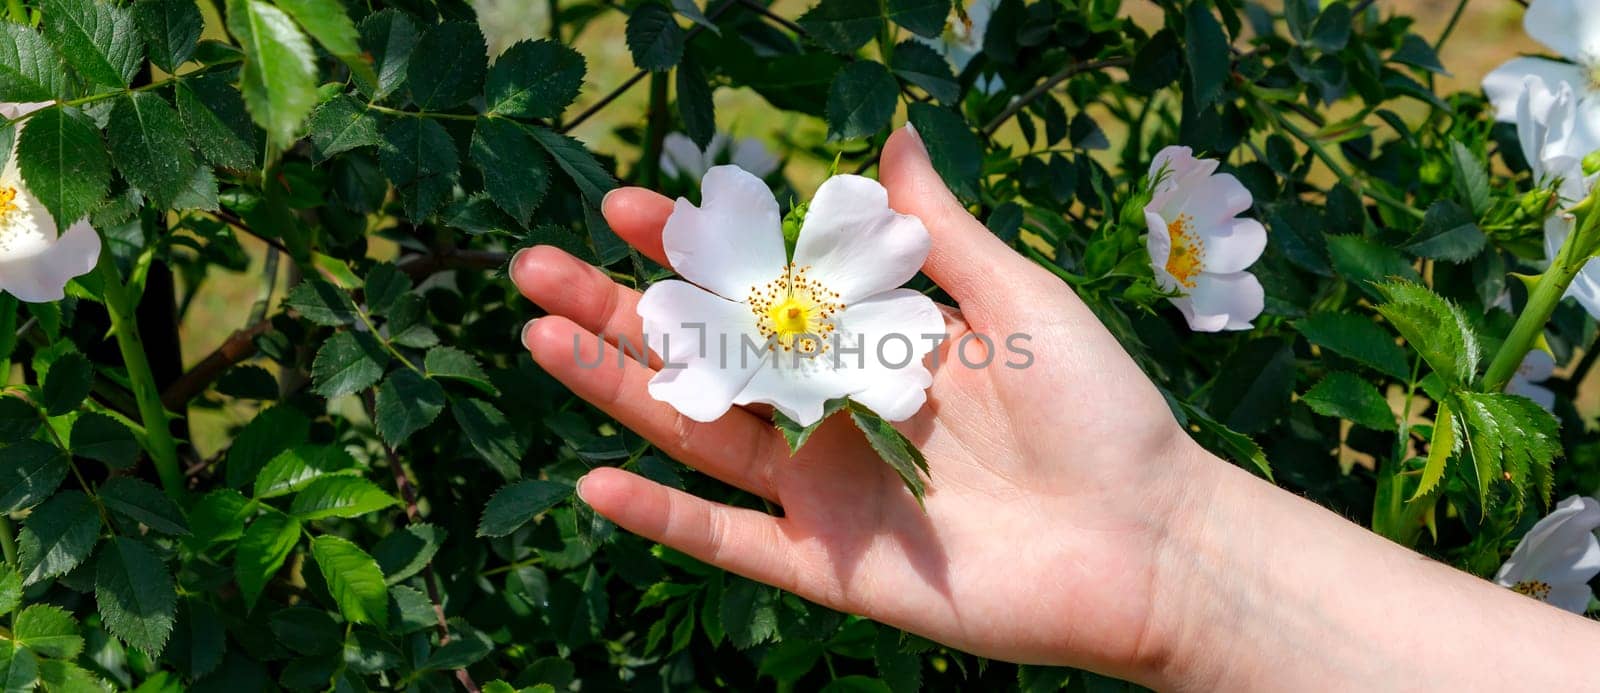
(1187, 256)
(794, 312)
(1538, 589)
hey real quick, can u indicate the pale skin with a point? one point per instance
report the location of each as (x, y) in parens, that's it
(1069, 519)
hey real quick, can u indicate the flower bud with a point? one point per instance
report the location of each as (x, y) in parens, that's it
(791, 226)
(1591, 164)
(1537, 203)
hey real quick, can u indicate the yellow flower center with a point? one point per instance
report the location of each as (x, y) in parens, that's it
(794, 312)
(8, 200)
(1538, 589)
(1187, 256)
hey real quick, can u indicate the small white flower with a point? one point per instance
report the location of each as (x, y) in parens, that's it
(1198, 246)
(963, 41)
(681, 157)
(1556, 560)
(36, 260)
(1536, 368)
(756, 327)
(1555, 140)
(1571, 28)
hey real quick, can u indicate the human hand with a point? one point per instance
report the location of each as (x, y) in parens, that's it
(1052, 487)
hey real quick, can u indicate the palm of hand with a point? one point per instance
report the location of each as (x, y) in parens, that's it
(1042, 531)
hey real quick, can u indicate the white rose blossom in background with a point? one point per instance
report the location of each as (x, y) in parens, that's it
(36, 259)
(1571, 28)
(963, 41)
(1556, 560)
(1199, 246)
(1536, 368)
(805, 318)
(1555, 139)
(681, 157)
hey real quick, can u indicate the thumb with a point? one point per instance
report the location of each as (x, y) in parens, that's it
(965, 256)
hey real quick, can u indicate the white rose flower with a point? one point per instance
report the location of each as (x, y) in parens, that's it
(1571, 28)
(36, 259)
(1555, 139)
(681, 157)
(757, 327)
(963, 41)
(1556, 560)
(1198, 246)
(1536, 368)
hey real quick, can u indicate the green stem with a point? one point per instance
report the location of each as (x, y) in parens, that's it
(8, 542)
(1575, 252)
(423, 114)
(655, 132)
(122, 307)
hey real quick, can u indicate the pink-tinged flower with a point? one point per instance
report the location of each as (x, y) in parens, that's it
(1571, 28)
(681, 157)
(1556, 560)
(1199, 247)
(750, 325)
(36, 259)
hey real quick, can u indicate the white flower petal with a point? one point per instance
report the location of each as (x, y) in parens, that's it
(689, 326)
(42, 275)
(1569, 27)
(14, 110)
(1232, 246)
(798, 386)
(1158, 242)
(893, 330)
(732, 242)
(1504, 84)
(1561, 545)
(1222, 302)
(1175, 164)
(855, 244)
(752, 155)
(1573, 598)
(680, 157)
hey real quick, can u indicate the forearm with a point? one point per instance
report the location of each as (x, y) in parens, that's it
(1263, 590)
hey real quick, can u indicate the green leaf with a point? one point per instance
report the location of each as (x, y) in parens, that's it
(262, 550)
(137, 500)
(1435, 327)
(1346, 396)
(280, 72)
(57, 536)
(331, 26)
(406, 551)
(48, 630)
(842, 26)
(516, 172)
(1254, 386)
(592, 179)
(214, 115)
(306, 630)
(915, 62)
(64, 162)
(30, 70)
(170, 29)
(925, 18)
(459, 653)
(353, 579)
(654, 38)
(389, 37)
(892, 447)
(348, 363)
(10, 590)
(1331, 31)
(856, 684)
(295, 468)
(1206, 48)
(1446, 442)
(862, 100)
(150, 146)
(1366, 263)
(101, 438)
(407, 402)
(135, 592)
(1471, 178)
(1416, 52)
(341, 124)
(450, 363)
(796, 435)
(900, 669)
(696, 107)
(453, 71)
(1357, 338)
(1448, 233)
(218, 516)
(29, 472)
(67, 384)
(270, 433)
(954, 149)
(339, 496)
(534, 79)
(57, 675)
(515, 504)
(322, 303)
(18, 420)
(1510, 440)
(421, 160)
(491, 435)
(749, 611)
(19, 668)
(97, 39)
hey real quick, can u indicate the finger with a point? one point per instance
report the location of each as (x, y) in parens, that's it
(637, 215)
(965, 256)
(737, 448)
(566, 286)
(744, 541)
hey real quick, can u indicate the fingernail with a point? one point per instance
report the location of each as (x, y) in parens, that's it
(607, 198)
(580, 489)
(916, 136)
(525, 330)
(516, 259)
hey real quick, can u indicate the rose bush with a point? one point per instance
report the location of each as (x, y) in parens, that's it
(1321, 284)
